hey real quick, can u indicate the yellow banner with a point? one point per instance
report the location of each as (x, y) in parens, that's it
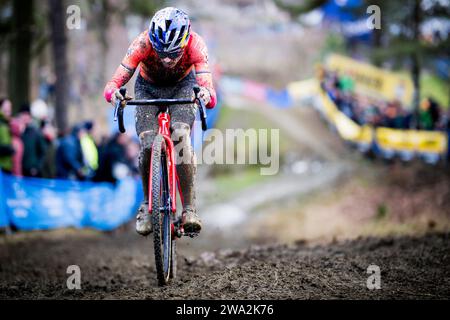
(412, 140)
(389, 139)
(373, 81)
(346, 127)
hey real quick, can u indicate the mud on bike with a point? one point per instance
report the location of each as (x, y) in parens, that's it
(163, 183)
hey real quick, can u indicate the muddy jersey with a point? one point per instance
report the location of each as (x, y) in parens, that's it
(141, 54)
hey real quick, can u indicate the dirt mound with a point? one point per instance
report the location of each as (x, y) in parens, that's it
(121, 266)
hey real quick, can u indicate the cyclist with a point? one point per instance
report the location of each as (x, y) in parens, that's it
(172, 60)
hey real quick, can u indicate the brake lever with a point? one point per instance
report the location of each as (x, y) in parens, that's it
(203, 115)
(123, 92)
(116, 109)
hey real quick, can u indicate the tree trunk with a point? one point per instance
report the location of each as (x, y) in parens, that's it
(59, 48)
(377, 35)
(377, 61)
(20, 53)
(415, 62)
(415, 74)
(103, 34)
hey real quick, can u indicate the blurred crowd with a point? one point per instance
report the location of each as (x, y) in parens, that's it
(30, 146)
(378, 112)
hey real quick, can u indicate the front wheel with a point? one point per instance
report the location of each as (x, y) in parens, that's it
(164, 245)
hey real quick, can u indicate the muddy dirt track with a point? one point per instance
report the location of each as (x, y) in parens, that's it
(120, 267)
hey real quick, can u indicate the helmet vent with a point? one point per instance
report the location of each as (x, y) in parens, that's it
(160, 33)
(168, 23)
(180, 36)
(172, 35)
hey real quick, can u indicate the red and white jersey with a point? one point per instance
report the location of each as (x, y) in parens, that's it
(141, 54)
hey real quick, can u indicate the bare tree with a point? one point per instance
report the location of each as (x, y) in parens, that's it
(59, 48)
(20, 52)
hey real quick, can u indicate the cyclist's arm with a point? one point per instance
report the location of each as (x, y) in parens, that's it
(138, 49)
(203, 74)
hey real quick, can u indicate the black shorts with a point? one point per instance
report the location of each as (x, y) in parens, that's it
(146, 116)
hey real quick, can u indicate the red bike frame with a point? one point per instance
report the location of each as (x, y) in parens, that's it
(165, 249)
(164, 130)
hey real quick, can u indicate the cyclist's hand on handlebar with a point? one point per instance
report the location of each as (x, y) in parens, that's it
(118, 96)
(204, 95)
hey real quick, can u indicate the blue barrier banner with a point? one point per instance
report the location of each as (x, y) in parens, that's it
(35, 204)
(3, 217)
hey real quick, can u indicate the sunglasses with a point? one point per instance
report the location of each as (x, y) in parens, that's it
(170, 55)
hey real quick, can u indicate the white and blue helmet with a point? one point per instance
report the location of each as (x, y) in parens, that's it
(169, 31)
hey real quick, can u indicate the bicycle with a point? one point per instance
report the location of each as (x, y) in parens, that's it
(163, 183)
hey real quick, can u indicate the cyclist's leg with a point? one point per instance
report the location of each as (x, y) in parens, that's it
(182, 119)
(185, 161)
(146, 129)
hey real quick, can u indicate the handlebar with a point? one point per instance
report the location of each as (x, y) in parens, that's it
(120, 106)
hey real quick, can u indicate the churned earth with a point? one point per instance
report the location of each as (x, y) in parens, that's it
(328, 213)
(120, 266)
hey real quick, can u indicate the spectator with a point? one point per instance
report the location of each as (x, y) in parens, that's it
(34, 145)
(372, 115)
(89, 149)
(49, 165)
(435, 112)
(39, 110)
(407, 119)
(341, 89)
(346, 84)
(17, 129)
(347, 107)
(114, 163)
(425, 115)
(392, 115)
(132, 154)
(69, 156)
(6, 148)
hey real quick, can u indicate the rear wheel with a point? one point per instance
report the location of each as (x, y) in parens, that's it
(164, 245)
